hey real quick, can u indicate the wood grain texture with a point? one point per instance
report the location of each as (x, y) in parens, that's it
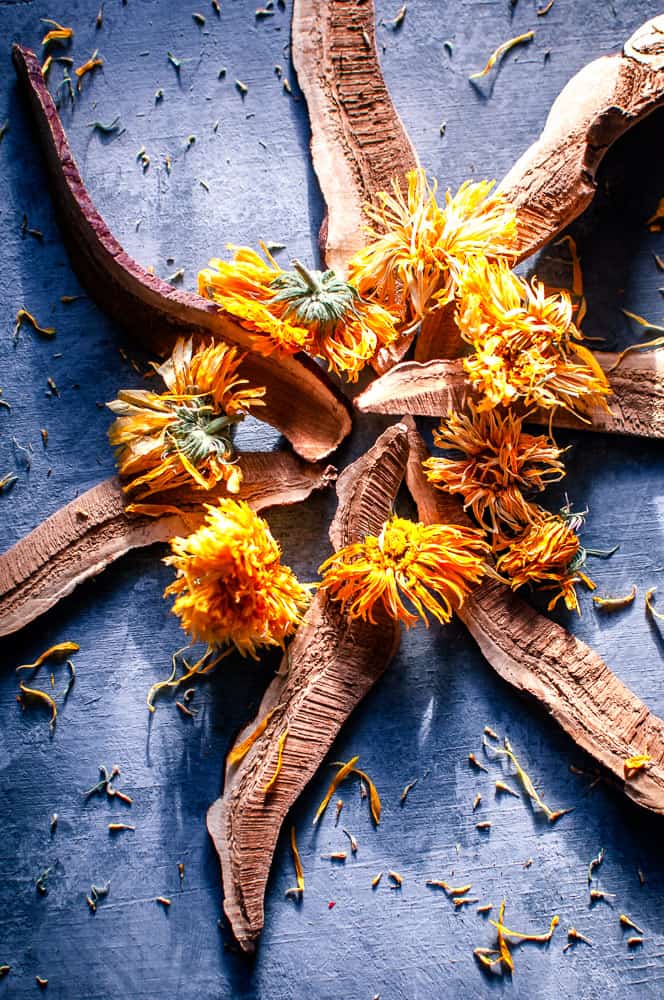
(553, 182)
(538, 657)
(435, 388)
(359, 145)
(300, 401)
(330, 666)
(94, 530)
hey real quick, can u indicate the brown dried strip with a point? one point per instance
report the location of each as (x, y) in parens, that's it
(65, 550)
(301, 402)
(358, 142)
(331, 666)
(554, 180)
(435, 388)
(541, 659)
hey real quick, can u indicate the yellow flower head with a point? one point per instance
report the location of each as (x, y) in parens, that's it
(231, 587)
(497, 467)
(524, 342)
(183, 436)
(432, 567)
(418, 248)
(299, 310)
(545, 553)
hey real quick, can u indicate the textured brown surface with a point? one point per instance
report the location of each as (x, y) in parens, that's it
(82, 538)
(554, 181)
(542, 660)
(329, 667)
(300, 401)
(434, 388)
(358, 142)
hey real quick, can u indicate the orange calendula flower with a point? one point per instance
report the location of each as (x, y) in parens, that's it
(546, 552)
(499, 465)
(231, 588)
(183, 436)
(418, 248)
(524, 342)
(432, 567)
(299, 310)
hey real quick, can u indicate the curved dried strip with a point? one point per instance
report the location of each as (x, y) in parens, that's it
(82, 538)
(436, 387)
(301, 402)
(554, 180)
(542, 660)
(358, 142)
(328, 669)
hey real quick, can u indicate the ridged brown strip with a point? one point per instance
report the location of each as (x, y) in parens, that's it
(81, 539)
(435, 388)
(329, 668)
(554, 181)
(301, 402)
(542, 660)
(358, 142)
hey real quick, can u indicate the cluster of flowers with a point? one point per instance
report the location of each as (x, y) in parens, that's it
(231, 589)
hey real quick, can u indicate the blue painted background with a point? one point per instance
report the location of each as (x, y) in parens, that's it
(428, 712)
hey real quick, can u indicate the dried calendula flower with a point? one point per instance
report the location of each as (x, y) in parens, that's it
(184, 435)
(547, 553)
(299, 310)
(418, 247)
(525, 343)
(232, 589)
(432, 567)
(498, 465)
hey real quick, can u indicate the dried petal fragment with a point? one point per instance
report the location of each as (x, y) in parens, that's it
(343, 772)
(527, 36)
(651, 610)
(299, 871)
(58, 652)
(625, 921)
(636, 763)
(44, 698)
(615, 603)
(280, 755)
(507, 751)
(240, 750)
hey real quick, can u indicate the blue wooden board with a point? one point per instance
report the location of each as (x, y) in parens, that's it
(428, 712)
